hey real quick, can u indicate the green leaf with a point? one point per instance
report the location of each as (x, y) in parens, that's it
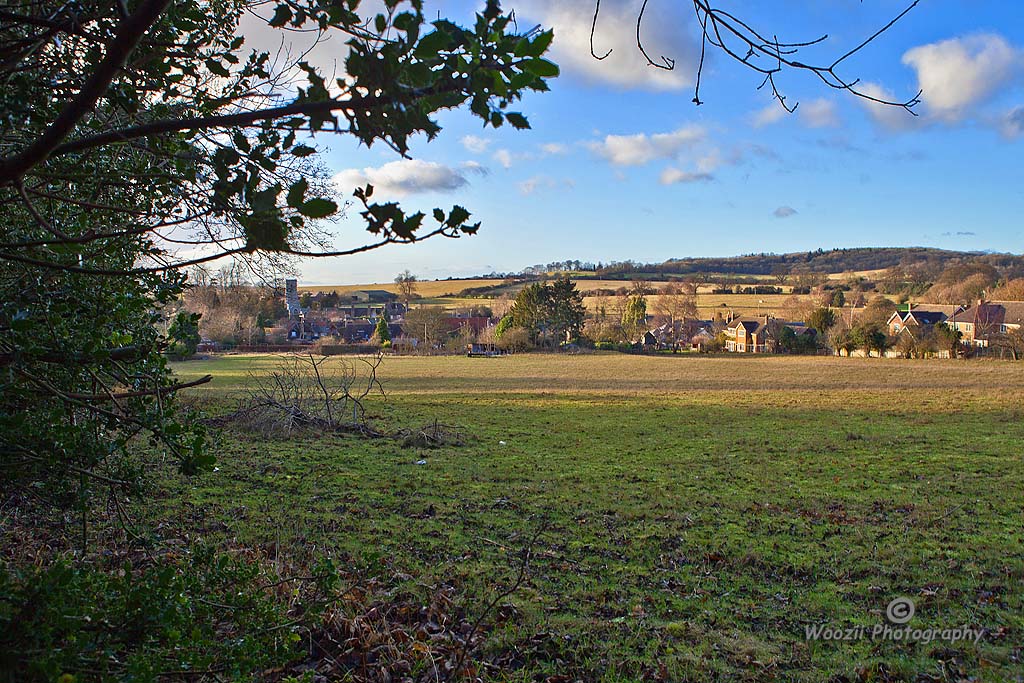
(458, 216)
(217, 68)
(540, 44)
(318, 208)
(433, 43)
(281, 15)
(439, 215)
(540, 67)
(517, 120)
(303, 150)
(297, 193)
(241, 142)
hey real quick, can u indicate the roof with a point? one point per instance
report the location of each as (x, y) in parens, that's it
(993, 313)
(925, 317)
(926, 314)
(751, 325)
(475, 323)
(801, 328)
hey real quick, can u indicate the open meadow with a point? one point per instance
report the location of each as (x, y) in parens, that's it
(695, 513)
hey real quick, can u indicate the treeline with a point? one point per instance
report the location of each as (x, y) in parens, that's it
(820, 261)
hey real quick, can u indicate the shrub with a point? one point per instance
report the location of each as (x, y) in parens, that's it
(206, 611)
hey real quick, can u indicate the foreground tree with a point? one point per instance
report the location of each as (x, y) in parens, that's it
(141, 138)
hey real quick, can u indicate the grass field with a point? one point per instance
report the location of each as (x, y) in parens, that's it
(698, 512)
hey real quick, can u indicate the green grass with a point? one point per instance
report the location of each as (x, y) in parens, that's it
(699, 511)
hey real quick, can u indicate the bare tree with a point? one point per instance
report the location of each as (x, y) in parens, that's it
(672, 307)
(764, 53)
(427, 324)
(406, 282)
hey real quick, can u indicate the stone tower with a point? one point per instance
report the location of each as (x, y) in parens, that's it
(291, 298)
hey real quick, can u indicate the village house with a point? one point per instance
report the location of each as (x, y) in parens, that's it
(761, 334)
(980, 323)
(747, 335)
(392, 309)
(474, 324)
(918, 321)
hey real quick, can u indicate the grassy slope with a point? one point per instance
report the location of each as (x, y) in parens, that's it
(701, 510)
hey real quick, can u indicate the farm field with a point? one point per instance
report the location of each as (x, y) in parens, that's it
(695, 513)
(425, 288)
(444, 293)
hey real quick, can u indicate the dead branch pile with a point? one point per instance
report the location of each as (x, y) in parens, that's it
(309, 392)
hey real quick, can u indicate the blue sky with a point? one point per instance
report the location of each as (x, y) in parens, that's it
(621, 165)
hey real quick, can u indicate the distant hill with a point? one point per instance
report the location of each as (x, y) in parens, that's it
(820, 261)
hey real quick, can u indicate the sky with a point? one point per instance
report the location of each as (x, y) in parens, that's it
(620, 164)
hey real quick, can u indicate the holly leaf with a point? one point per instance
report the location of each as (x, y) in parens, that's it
(318, 208)
(517, 121)
(281, 16)
(297, 193)
(540, 67)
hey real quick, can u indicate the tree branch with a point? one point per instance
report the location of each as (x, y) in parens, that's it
(127, 38)
(238, 119)
(160, 391)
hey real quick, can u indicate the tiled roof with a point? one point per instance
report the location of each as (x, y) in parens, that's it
(994, 313)
(928, 317)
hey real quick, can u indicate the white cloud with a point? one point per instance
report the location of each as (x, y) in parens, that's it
(503, 157)
(475, 144)
(1012, 125)
(957, 74)
(773, 113)
(639, 149)
(784, 212)
(665, 31)
(820, 113)
(405, 177)
(671, 175)
(554, 148)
